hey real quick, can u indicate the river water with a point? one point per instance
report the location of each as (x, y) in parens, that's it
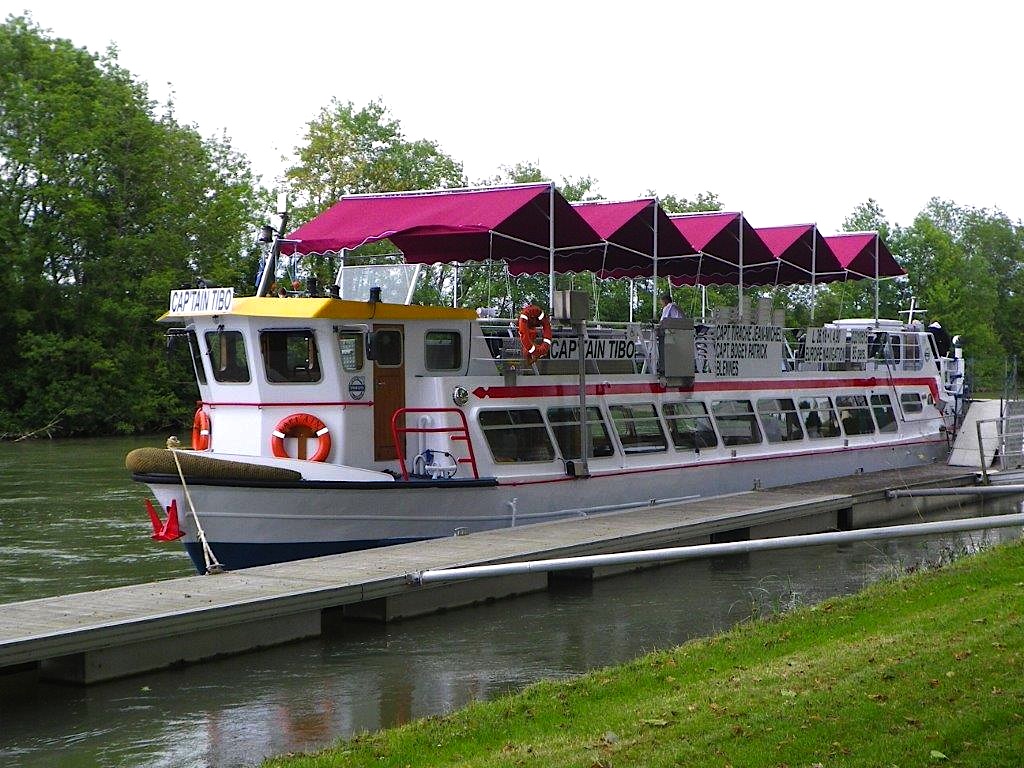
(71, 520)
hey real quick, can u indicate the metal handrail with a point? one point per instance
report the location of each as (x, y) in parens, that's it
(461, 433)
(1001, 449)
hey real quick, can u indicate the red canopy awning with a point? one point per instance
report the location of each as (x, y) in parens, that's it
(724, 239)
(804, 247)
(856, 252)
(628, 229)
(440, 226)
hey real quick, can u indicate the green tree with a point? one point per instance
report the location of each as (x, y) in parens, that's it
(348, 151)
(104, 207)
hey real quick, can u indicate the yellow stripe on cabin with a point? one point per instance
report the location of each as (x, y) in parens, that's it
(335, 309)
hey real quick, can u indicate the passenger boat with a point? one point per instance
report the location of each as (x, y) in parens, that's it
(330, 424)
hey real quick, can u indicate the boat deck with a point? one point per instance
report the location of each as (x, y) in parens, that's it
(93, 636)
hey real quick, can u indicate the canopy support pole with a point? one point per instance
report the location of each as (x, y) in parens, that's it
(814, 269)
(551, 248)
(654, 252)
(877, 238)
(739, 309)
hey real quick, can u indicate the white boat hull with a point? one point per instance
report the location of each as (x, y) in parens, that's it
(250, 524)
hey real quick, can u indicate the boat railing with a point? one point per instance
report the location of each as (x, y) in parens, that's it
(458, 432)
(636, 352)
(887, 352)
(1000, 444)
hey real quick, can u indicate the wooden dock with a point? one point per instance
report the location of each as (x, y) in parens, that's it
(101, 635)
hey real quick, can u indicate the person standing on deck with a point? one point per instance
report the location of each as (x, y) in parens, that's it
(669, 309)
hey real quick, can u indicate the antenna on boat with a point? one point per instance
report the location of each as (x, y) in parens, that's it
(914, 310)
(270, 235)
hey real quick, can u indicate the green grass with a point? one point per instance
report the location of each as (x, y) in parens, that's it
(927, 670)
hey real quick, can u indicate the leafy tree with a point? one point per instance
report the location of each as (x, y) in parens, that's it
(348, 151)
(105, 207)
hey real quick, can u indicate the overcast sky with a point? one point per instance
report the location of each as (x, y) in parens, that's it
(792, 112)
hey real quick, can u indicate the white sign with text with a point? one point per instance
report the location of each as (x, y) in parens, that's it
(201, 301)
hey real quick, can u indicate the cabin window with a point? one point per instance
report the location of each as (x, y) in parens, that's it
(855, 415)
(884, 414)
(516, 436)
(350, 347)
(197, 356)
(388, 345)
(565, 423)
(819, 417)
(690, 426)
(911, 402)
(779, 419)
(227, 356)
(638, 428)
(892, 351)
(736, 422)
(442, 351)
(290, 356)
(913, 360)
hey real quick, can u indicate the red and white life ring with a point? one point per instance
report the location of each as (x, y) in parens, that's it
(530, 318)
(288, 423)
(201, 430)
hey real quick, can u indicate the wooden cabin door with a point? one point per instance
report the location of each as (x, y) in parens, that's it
(388, 388)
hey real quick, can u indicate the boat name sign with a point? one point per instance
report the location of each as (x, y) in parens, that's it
(594, 349)
(201, 301)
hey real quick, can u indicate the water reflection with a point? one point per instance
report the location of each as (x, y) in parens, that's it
(305, 695)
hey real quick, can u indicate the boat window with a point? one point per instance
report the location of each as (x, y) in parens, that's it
(690, 425)
(911, 402)
(227, 356)
(736, 422)
(350, 345)
(516, 436)
(819, 417)
(197, 356)
(884, 414)
(892, 352)
(855, 414)
(388, 345)
(639, 428)
(442, 350)
(779, 419)
(290, 356)
(913, 360)
(565, 423)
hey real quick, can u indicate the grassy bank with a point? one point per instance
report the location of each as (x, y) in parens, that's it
(925, 670)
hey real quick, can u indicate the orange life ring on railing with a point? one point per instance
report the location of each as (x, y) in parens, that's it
(201, 430)
(285, 427)
(531, 317)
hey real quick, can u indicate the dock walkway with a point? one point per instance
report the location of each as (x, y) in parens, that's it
(93, 636)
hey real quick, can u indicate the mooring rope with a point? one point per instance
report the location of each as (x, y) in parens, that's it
(210, 559)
